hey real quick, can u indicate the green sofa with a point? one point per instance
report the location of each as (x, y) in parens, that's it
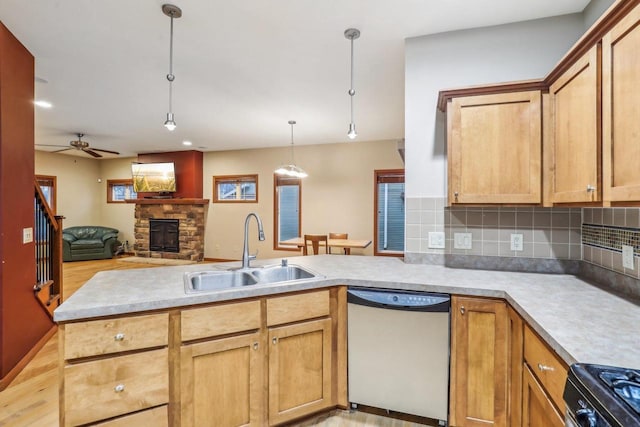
(88, 242)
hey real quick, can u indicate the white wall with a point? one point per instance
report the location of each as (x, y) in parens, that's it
(594, 10)
(79, 194)
(519, 51)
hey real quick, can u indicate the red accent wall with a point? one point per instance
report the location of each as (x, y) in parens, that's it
(22, 321)
(188, 166)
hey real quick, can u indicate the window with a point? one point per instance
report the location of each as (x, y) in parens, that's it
(287, 210)
(389, 212)
(48, 186)
(235, 189)
(119, 190)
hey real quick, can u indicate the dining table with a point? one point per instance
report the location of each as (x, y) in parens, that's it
(332, 243)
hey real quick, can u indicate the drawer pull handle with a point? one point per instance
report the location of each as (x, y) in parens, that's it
(119, 388)
(590, 188)
(274, 340)
(462, 310)
(545, 367)
(119, 336)
(255, 345)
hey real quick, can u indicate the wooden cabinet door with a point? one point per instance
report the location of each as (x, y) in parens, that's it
(537, 409)
(516, 356)
(299, 370)
(222, 382)
(572, 152)
(621, 109)
(494, 148)
(479, 362)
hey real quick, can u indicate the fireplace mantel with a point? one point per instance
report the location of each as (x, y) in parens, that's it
(169, 201)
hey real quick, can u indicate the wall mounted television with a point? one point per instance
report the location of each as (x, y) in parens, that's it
(154, 177)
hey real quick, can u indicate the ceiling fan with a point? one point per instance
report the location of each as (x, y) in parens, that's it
(80, 145)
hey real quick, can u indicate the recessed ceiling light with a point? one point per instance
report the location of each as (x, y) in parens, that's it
(43, 104)
(187, 143)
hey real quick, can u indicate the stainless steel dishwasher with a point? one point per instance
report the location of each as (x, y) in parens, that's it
(398, 351)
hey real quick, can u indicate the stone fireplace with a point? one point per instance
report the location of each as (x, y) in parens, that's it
(190, 215)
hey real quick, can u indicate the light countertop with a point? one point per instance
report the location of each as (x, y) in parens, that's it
(581, 322)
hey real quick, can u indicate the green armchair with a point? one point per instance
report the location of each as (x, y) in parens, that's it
(88, 242)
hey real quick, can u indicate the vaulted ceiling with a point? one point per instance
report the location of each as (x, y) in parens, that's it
(243, 67)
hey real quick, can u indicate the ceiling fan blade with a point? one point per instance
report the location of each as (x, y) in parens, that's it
(51, 145)
(105, 151)
(64, 149)
(91, 152)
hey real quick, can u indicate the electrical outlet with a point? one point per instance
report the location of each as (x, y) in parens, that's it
(462, 240)
(517, 242)
(27, 235)
(436, 240)
(627, 257)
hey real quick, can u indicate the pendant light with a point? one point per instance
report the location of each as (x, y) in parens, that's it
(352, 34)
(172, 12)
(291, 169)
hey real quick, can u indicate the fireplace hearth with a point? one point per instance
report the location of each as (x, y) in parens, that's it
(188, 217)
(164, 235)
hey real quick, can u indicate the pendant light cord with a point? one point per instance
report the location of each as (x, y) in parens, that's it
(292, 159)
(351, 90)
(170, 76)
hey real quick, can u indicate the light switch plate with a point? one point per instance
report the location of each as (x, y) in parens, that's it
(27, 235)
(436, 240)
(517, 242)
(462, 240)
(627, 257)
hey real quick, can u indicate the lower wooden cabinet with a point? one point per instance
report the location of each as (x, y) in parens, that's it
(537, 409)
(222, 382)
(479, 362)
(299, 370)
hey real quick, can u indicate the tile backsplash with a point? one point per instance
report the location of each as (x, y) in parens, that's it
(593, 235)
(547, 233)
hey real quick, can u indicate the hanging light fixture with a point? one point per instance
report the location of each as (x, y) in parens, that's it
(352, 34)
(291, 169)
(172, 12)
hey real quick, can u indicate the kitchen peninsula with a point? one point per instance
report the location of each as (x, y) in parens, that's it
(579, 321)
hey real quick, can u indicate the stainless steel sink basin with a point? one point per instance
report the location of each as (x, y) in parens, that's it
(208, 281)
(217, 280)
(282, 274)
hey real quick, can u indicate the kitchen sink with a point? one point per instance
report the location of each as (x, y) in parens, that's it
(282, 274)
(208, 281)
(216, 280)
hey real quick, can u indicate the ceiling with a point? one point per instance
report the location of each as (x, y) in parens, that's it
(243, 67)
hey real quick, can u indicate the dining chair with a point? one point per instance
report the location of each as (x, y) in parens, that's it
(314, 240)
(347, 251)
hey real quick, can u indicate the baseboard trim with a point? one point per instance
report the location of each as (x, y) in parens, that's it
(13, 373)
(219, 260)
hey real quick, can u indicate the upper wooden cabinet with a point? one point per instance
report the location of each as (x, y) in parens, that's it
(621, 109)
(494, 148)
(572, 149)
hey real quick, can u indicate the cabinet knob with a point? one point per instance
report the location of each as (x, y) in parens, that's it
(119, 388)
(590, 188)
(462, 310)
(274, 340)
(119, 336)
(545, 367)
(455, 196)
(255, 345)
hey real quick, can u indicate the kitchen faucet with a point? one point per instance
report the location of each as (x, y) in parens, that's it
(246, 258)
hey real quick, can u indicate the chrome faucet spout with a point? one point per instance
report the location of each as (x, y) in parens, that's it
(246, 258)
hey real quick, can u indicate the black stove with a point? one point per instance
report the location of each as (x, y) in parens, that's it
(602, 396)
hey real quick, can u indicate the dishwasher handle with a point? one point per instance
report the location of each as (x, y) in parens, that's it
(400, 300)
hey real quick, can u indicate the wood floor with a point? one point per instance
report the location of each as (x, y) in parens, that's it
(32, 397)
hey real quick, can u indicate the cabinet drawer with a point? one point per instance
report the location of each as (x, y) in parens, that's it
(219, 320)
(156, 417)
(537, 409)
(115, 386)
(98, 337)
(297, 307)
(545, 365)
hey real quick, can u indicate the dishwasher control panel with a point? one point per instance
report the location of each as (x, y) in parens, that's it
(400, 299)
